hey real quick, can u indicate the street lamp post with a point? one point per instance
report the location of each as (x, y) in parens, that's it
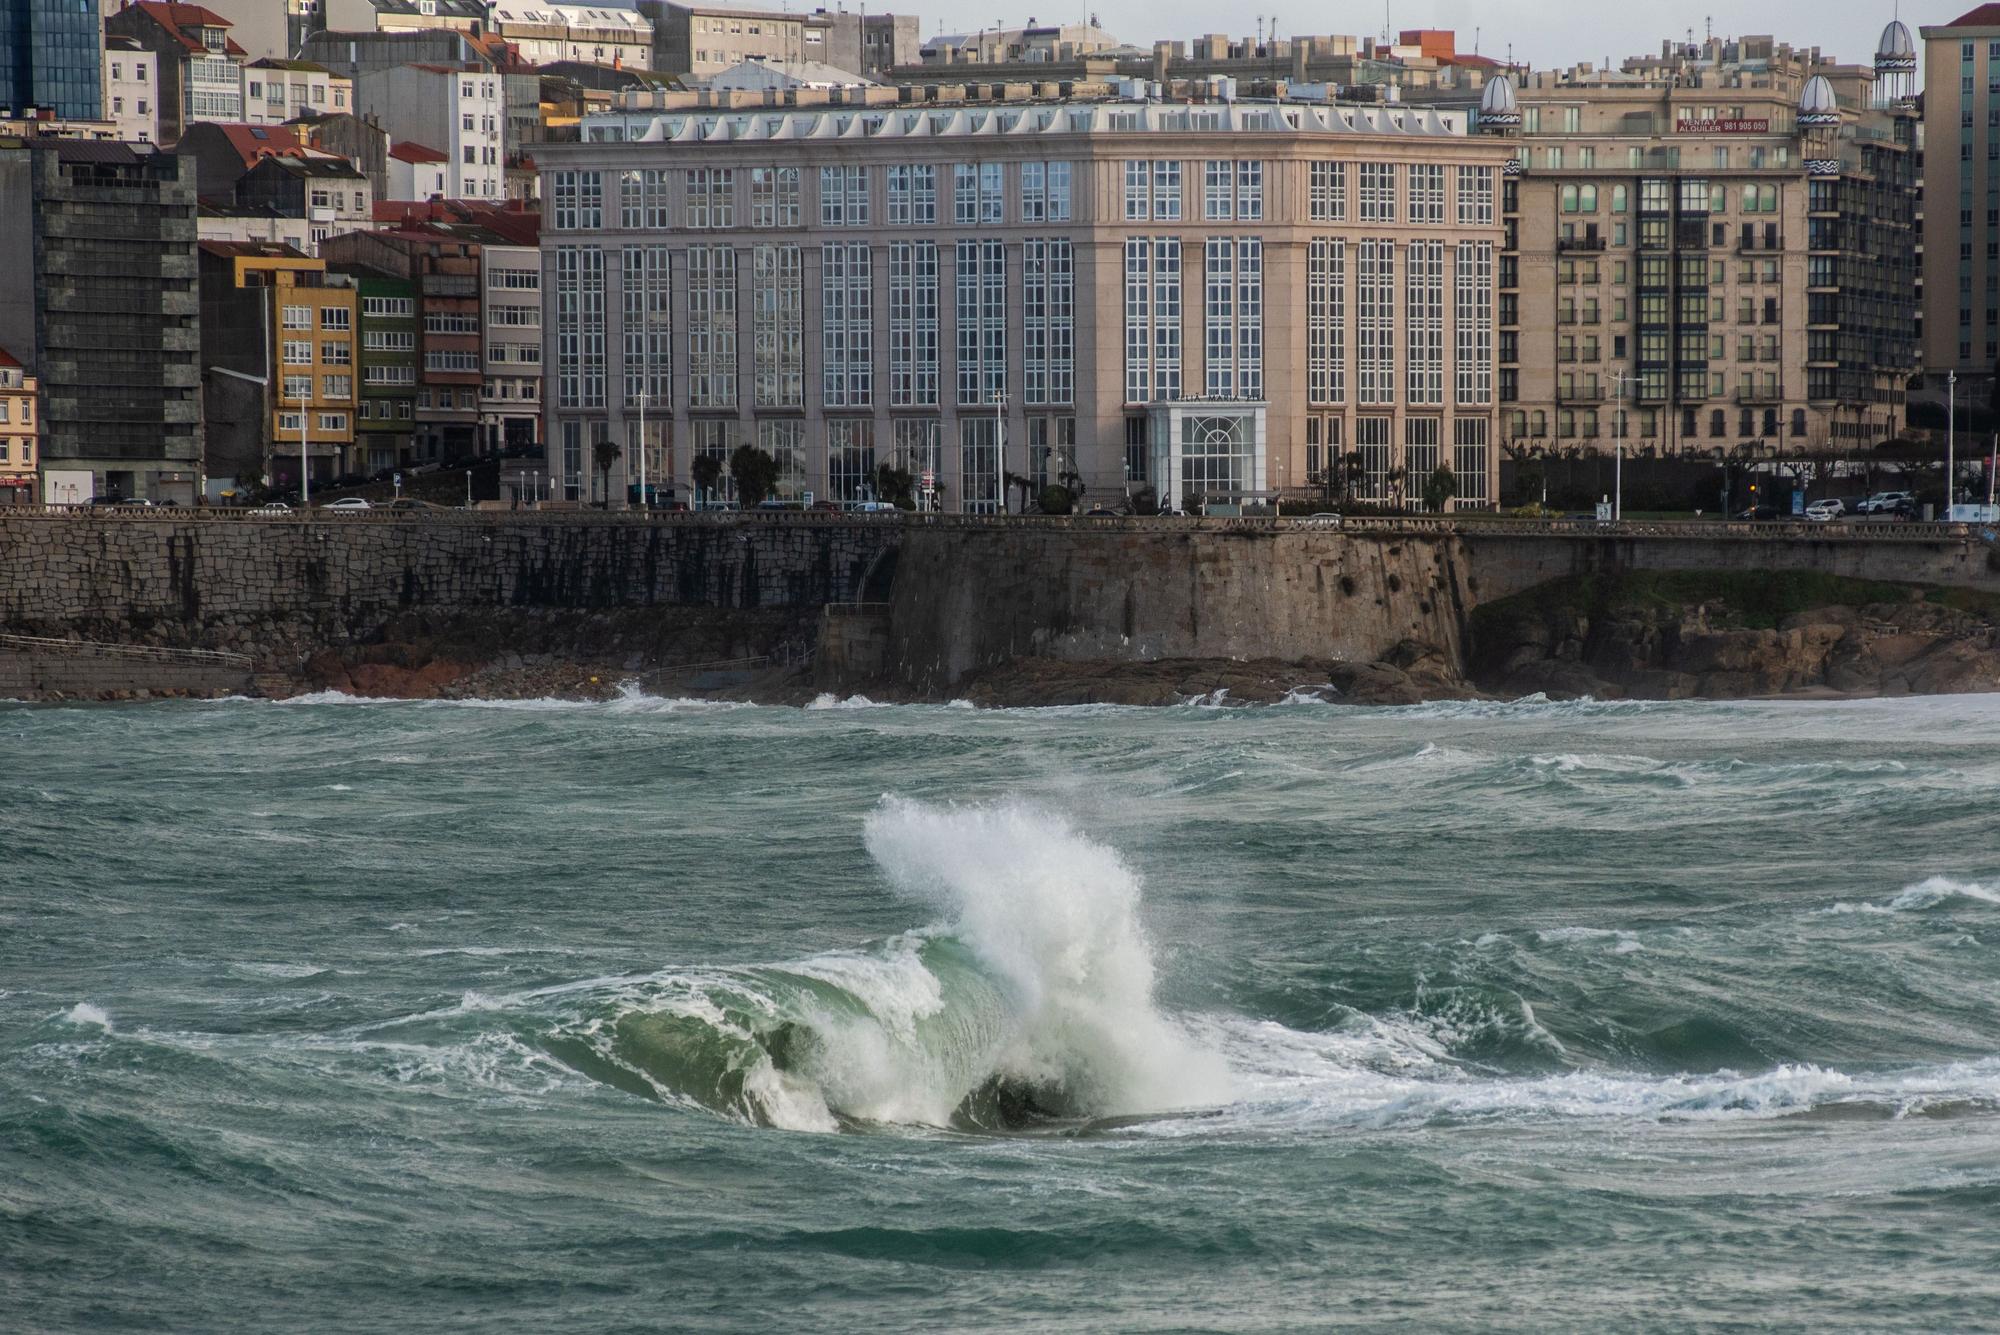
(645, 502)
(1618, 451)
(1950, 437)
(305, 465)
(1000, 440)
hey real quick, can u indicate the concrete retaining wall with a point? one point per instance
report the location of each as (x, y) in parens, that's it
(26, 676)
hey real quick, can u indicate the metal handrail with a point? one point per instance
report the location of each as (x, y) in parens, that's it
(156, 653)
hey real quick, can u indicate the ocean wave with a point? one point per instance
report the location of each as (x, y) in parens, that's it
(828, 700)
(1030, 999)
(1928, 893)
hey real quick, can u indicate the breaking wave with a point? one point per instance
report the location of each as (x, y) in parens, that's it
(1031, 998)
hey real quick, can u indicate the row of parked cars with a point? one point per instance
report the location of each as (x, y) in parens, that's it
(1880, 505)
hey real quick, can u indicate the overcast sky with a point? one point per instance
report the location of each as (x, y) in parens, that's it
(1544, 33)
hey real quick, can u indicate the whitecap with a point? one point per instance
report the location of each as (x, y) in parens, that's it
(828, 700)
(85, 1014)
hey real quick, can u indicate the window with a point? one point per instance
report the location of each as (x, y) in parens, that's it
(1167, 191)
(298, 317)
(711, 198)
(711, 321)
(1326, 320)
(449, 322)
(1470, 461)
(847, 362)
(1328, 192)
(298, 352)
(579, 200)
(580, 326)
(843, 196)
(1152, 319)
(774, 196)
(1424, 280)
(850, 459)
(333, 421)
(777, 327)
(1218, 191)
(646, 302)
(979, 464)
(335, 317)
(1045, 194)
(1378, 192)
(1234, 318)
(1048, 300)
(642, 199)
(913, 196)
(1475, 196)
(380, 308)
(1376, 320)
(336, 352)
(976, 196)
(1426, 193)
(913, 323)
(1472, 321)
(982, 320)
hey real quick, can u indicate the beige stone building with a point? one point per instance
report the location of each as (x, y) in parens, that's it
(699, 41)
(1223, 300)
(1961, 198)
(1710, 249)
(20, 433)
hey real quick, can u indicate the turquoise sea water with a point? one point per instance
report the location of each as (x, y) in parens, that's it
(382, 1016)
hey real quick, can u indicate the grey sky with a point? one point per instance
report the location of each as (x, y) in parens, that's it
(1543, 32)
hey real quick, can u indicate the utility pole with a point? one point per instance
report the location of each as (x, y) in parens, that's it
(305, 465)
(1950, 437)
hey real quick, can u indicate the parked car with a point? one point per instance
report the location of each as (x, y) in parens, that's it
(1886, 502)
(348, 503)
(405, 504)
(274, 507)
(870, 507)
(138, 502)
(1821, 511)
(1758, 512)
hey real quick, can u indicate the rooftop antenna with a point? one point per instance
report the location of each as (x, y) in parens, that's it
(1475, 39)
(1385, 22)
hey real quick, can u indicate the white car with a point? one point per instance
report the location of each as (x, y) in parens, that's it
(1821, 511)
(348, 503)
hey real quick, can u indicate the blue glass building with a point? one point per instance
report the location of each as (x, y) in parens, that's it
(52, 57)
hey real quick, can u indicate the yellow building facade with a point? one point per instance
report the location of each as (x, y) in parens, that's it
(20, 434)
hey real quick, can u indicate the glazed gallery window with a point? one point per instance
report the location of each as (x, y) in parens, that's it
(711, 326)
(847, 321)
(1475, 196)
(1425, 295)
(1048, 312)
(578, 200)
(642, 200)
(785, 442)
(711, 198)
(1469, 459)
(774, 196)
(1152, 190)
(1378, 192)
(843, 196)
(648, 327)
(1233, 309)
(982, 320)
(1232, 190)
(1472, 321)
(1375, 330)
(913, 324)
(1045, 194)
(1328, 193)
(777, 327)
(975, 194)
(913, 196)
(579, 326)
(1152, 319)
(1326, 320)
(1426, 193)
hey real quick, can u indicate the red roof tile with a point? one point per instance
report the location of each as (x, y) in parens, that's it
(1986, 16)
(411, 151)
(176, 19)
(7, 358)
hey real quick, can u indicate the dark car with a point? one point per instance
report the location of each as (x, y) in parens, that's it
(1758, 512)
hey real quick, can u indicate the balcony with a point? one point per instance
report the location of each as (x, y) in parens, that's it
(1580, 394)
(1590, 243)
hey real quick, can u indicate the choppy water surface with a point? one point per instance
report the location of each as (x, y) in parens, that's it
(378, 1016)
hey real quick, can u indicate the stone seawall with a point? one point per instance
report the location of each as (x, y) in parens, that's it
(221, 581)
(970, 598)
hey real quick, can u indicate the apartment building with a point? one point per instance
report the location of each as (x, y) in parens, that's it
(20, 432)
(274, 308)
(1218, 300)
(443, 274)
(510, 401)
(131, 90)
(1961, 230)
(417, 171)
(276, 91)
(99, 303)
(1710, 249)
(385, 419)
(200, 66)
(702, 40)
(599, 36)
(459, 111)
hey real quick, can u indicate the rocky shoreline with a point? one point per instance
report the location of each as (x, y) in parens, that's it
(1632, 636)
